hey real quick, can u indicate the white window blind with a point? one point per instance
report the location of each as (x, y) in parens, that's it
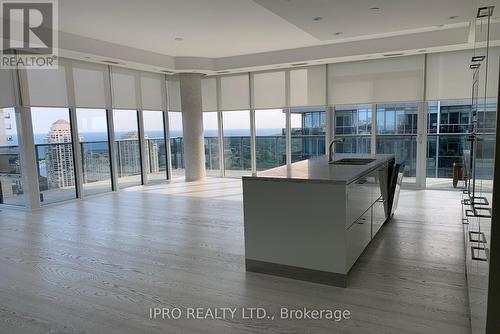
(235, 92)
(91, 83)
(123, 83)
(269, 90)
(380, 80)
(46, 87)
(209, 94)
(174, 94)
(7, 97)
(308, 86)
(151, 90)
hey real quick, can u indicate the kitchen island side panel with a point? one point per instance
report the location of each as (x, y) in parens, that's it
(296, 224)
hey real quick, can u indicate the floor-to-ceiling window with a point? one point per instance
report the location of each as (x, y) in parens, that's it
(308, 125)
(156, 154)
(11, 188)
(449, 122)
(237, 153)
(396, 132)
(94, 150)
(211, 137)
(176, 143)
(353, 124)
(54, 154)
(127, 148)
(270, 140)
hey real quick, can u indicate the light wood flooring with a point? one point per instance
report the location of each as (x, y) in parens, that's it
(98, 265)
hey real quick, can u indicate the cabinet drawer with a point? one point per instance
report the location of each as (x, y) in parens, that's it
(358, 237)
(379, 215)
(359, 199)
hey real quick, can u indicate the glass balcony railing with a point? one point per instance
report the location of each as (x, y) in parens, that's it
(96, 169)
(56, 174)
(11, 188)
(212, 162)
(307, 146)
(156, 163)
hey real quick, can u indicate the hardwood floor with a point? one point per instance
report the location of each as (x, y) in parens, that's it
(99, 265)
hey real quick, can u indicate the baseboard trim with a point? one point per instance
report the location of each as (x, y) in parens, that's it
(298, 273)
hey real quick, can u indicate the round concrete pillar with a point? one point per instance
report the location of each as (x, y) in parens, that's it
(192, 125)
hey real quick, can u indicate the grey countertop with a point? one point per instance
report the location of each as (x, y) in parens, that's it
(318, 170)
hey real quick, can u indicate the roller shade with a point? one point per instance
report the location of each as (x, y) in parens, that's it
(151, 90)
(209, 94)
(45, 87)
(308, 86)
(174, 94)
(269, 90)
(381, 80)
(7, 95)
(448, 75)
(235, 92)
(91, 83)
(124, 88)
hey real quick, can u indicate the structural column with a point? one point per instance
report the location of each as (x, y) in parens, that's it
(192, 125)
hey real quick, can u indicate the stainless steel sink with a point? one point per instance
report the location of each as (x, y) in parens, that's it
(353, 161)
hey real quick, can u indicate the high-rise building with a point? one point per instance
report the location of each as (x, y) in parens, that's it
(59, 158)
(129, 157)
(153, 160)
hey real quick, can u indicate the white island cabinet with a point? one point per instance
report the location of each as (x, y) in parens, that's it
(312, 220)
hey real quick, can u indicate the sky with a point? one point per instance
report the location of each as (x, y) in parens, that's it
(94, 120)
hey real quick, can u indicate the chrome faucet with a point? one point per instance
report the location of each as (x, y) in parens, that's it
(330, 151)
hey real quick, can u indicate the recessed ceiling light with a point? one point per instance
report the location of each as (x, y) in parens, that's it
(453, 17)
(317, 18)
(179, 39)
(338, 33)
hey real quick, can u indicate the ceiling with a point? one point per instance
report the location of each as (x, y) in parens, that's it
(222, 28)
(215, 35)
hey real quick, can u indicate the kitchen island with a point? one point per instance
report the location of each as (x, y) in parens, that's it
(311, 220)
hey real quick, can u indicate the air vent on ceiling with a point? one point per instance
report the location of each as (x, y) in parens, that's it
(299, 64)
(393, 54)
(112, 62)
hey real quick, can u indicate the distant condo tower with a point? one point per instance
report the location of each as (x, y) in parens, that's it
(59, 158)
